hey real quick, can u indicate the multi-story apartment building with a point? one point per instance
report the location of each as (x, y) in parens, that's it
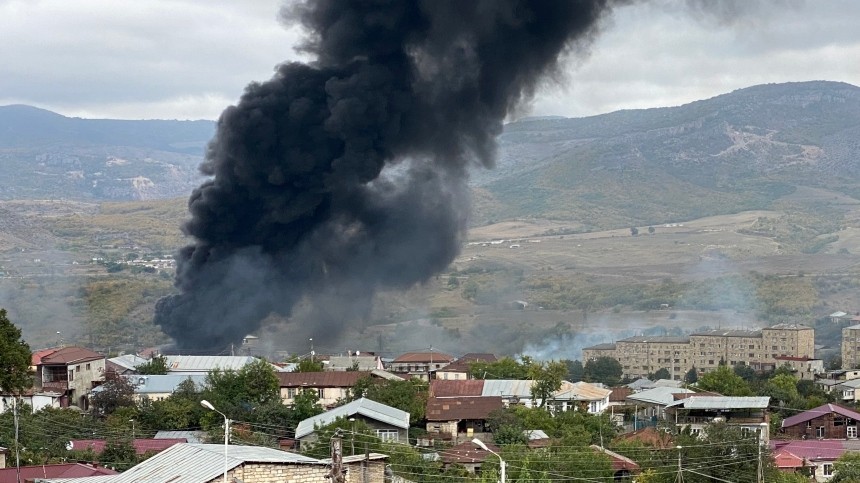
(762, 350)
(851, 347)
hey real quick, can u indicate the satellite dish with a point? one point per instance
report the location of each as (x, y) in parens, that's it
(69, 446)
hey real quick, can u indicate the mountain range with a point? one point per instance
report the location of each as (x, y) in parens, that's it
(738, 151)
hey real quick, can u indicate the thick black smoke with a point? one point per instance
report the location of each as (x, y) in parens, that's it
(346, 175)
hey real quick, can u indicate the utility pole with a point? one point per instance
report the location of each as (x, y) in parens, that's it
(17, 452)
(760, 439)
(336, 474)
(680, 477)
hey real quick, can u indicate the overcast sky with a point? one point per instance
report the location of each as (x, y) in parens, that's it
(175, 59)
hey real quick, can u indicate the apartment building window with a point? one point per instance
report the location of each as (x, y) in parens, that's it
(752, 355)
(711, 362)
(751, 346)
(773, 347)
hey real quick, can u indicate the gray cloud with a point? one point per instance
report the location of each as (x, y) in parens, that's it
(189, 59)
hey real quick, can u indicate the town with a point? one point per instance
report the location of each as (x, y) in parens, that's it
(722, 404)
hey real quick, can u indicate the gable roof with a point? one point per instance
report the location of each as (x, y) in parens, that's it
(454, 408)
(581, 391)
(467, 452)
(190, 436)
(70, 355)
(722, 402)
(431, 356)
(819, 411)
(521, 388)
(207, 363)
(163, 383)
(65, 470)
(811, 449)
(193, 463)
(662, 396)
(141, 446)
(462, 363)
(321, 379)
(458, 387)
(365, 407)
(619, 462)
(128, 362)
(36, 357)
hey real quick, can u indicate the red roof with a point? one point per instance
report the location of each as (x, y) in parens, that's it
(819, 411)
(141, 446)
(467, 452)
(70, 355)
(452, 388)
(65, 470)
(650, 436)
(454, 408)
(424, 357)
(811, 449)
(786, 459)
(321, 379)
(37, 356)
(619, 462)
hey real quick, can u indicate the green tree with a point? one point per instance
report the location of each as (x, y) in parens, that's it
(575, 371)
(661, 373)
(724, 381)
(692, 376)
(156, 366)
(238, 393)
(605, 370)
(407, 395)
(847, 468)
(547, 377)
(118, 454)
(634, 231)
(15, 374)
(306, 404)
(504, 368)
(308, 365)
(781, 387)
(116, 392)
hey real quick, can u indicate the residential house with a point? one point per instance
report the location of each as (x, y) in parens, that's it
(829, 421)
(390, 424)
(461, 418)
(33, 398)
(838, 317)
(580, 395)
(125, 364)
(696, 412)
(459, 369)
(468, 455)
(420, 364)
(649, 405)
(205, 463)
(802, 367)
(190, 365)
(623, 468)
(354, 362)
(27, 474)
(142, 446)
(811, 457)
(331, 386)
(72, 371)
(160, 387)
(847, 391)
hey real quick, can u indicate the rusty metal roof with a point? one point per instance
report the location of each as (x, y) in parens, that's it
(454, 408)
(452, 388)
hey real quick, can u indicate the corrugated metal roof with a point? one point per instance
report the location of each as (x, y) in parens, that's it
(456, 387)
(507, 387)
(753, 334)
(194, 463)
(787, 326)
(659, 395)
(456, 408)
(581, 391)
(190, 436)
(365, 407)
(723, 402)
(207, 363)
(657, 339)
(424, 357)
(128, 361)
(157, 384)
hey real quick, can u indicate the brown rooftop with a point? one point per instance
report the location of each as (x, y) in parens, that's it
(70, 355)
(456, 408)
(452, 388)
(424, 357)
(467, 452)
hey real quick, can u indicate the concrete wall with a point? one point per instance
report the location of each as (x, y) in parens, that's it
(85, 374)
(304, 473)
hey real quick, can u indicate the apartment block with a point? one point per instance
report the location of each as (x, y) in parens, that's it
(851, 347)
(760, 349)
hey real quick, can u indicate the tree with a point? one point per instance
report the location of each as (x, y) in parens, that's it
(661, 373)
(547, 377)
(651, 230)
(575, 371)
(724, 381)
(156, 366)
(634, 231)
(308, 365)
(782, 388)
(504, 368)
(847, 468)
(115, 393)
(406, 395)
(14, 358)
(605, 370)
(692, 376)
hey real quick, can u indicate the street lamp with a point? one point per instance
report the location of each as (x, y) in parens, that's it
(311, 340)
(206, 404)
(132, 430)
(502, 464)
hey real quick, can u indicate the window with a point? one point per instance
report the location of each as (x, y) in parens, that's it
(321, 393)
(828, 469)
(851, 432)
(291, 392)
(838, 422)
(78, 368)
(387, 434)
(88, 367)
(593, 407)
(71, 375)
(819, 432)
(809, 424)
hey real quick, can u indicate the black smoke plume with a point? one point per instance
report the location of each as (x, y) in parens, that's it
(348, 174)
